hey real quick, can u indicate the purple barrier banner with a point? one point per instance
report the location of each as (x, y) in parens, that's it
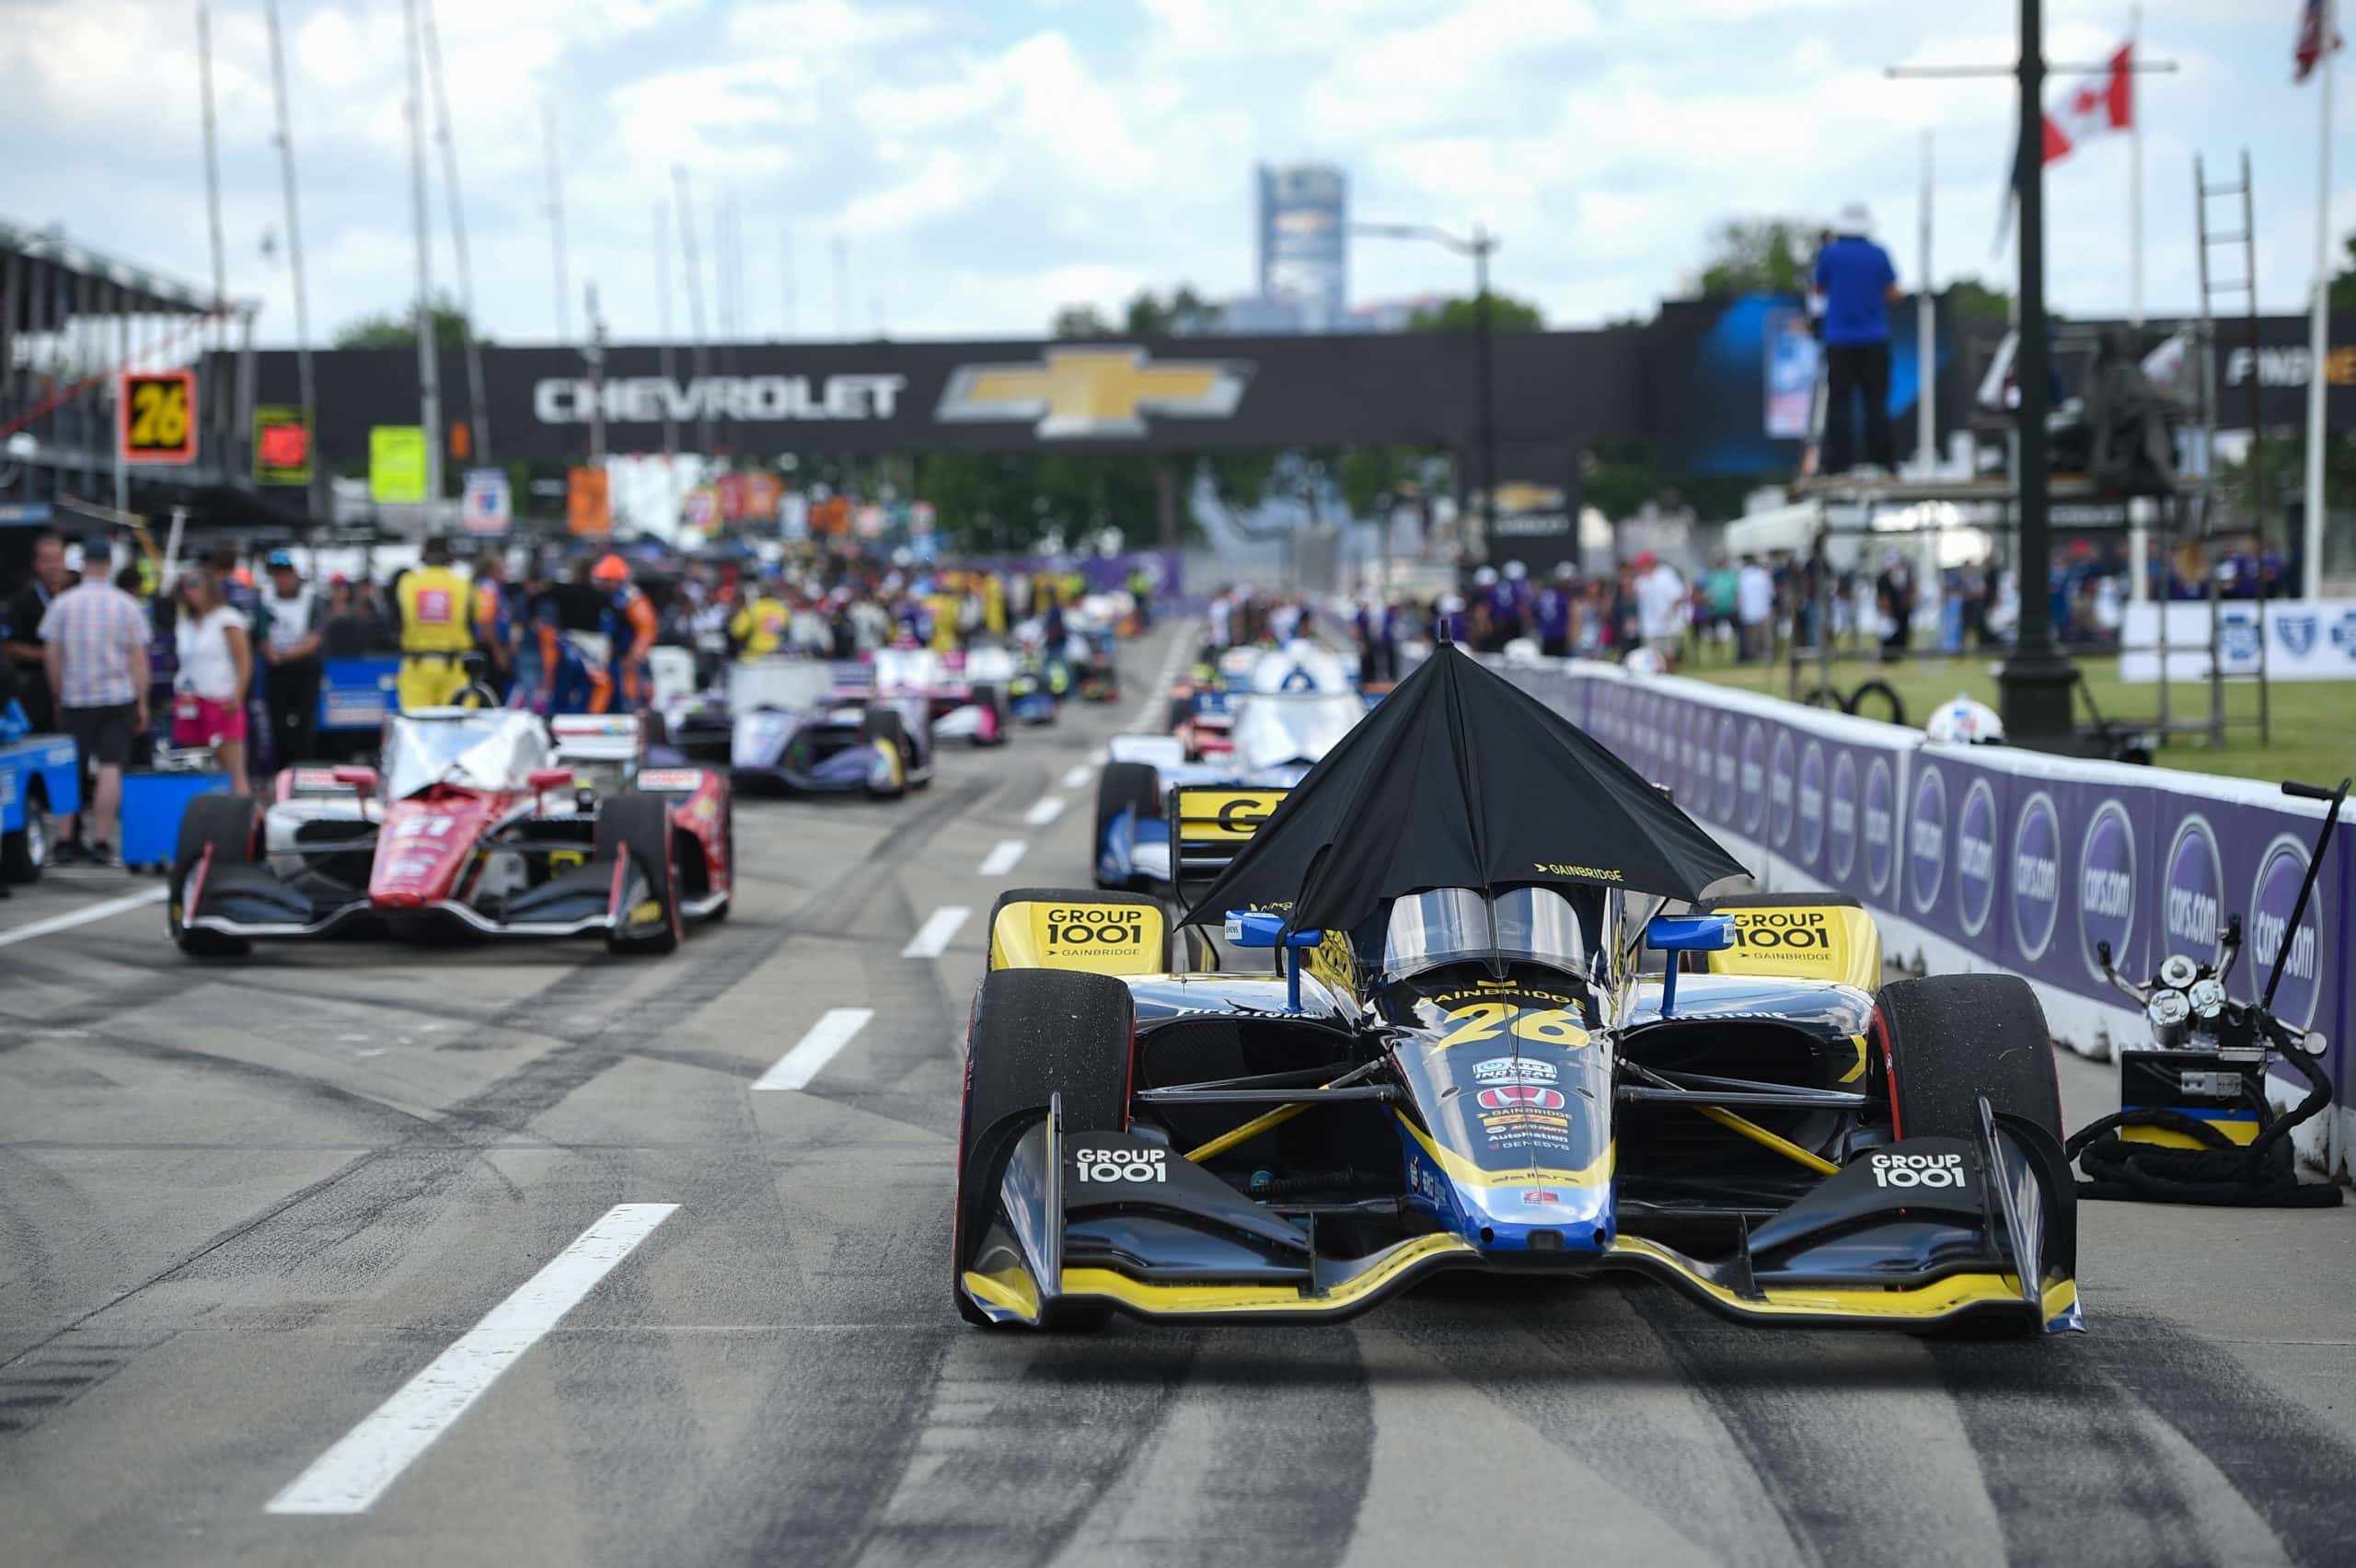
(1164, 569)
(1992, 858)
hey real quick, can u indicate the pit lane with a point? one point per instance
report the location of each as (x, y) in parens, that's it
(242, 1208)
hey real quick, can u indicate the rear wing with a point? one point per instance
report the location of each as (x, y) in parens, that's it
(1208, 824)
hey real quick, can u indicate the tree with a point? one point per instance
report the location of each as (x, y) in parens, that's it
(1462, 314)
(1759, 256)
(386, 331)
(2343, 285)
(1972, 300)
(1184, 314)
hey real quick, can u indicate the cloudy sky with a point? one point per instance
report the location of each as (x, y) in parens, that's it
(982, 162)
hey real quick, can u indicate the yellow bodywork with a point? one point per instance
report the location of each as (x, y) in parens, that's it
(1795, 941)
(1103, 936)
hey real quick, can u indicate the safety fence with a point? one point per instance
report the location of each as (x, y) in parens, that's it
(1990, 858)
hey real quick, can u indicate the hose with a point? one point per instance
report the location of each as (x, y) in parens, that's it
(2221, 1174)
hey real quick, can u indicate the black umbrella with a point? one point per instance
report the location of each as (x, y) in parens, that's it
(1461, 779)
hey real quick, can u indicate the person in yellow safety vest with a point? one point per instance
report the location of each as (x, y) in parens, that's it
(436, 632)
(944, 604)
(757, 629)
(994, 604)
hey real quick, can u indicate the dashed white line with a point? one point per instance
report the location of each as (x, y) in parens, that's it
(933, 937)
(1078, 775)
(1044, 810)
(1001, 859)
(81, 916)
(815, 1050)
(350, 1477)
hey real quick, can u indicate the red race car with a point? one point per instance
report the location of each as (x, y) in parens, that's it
(479, 823)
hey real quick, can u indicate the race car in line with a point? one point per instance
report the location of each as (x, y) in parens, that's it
(1295, 705)
(966, 693)
(813, 728)
(476, 824)
(1464, 1062)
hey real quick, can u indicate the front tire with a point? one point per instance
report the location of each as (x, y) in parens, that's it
(224, 825)
(1949, 1039)
(1036, 1034)
(639, 826)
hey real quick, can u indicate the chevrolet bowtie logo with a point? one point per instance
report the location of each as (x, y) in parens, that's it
(1094, 392)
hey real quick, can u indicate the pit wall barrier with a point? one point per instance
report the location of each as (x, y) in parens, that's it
(1987, 858)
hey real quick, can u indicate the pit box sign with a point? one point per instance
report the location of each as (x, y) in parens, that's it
(155, 413)
(281, 445)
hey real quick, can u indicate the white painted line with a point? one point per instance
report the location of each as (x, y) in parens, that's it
(1077, 774)
(81, 916)
(815, 1050)
(1153, 709)
(1000, 859)
(351, 1477)
(933, 937)
(1044, 810)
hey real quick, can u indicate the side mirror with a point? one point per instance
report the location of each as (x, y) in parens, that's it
(549, 778)
(1253, 928)
(1690, 933)
(1686, 933)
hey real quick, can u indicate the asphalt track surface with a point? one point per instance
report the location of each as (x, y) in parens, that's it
(385, 1229)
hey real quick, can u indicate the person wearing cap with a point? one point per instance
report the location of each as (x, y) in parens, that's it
(436, 630)
(629, 625)
(1858, 283)
(291, 637)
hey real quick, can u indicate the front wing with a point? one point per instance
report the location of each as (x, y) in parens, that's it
(1116, 1220)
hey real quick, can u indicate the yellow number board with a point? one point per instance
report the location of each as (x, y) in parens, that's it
(1224, 816)
(156, 409)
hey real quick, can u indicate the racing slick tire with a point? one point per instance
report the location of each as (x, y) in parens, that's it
(225, 824)
(1124, 786)
(640, 825)
(1036, 1032)
(884, 724)
(1948, 1039)
(23, 852)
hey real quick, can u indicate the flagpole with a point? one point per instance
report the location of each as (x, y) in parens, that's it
(2320, 322)
(2135, 173)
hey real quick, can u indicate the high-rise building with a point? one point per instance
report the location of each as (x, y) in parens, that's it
(1304, 238)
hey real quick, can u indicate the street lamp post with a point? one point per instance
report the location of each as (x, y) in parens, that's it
(2035, 682)
(1485, 388)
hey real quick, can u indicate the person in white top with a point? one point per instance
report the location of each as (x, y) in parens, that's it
(1754, 603)
(1662, 607)
(216, 665)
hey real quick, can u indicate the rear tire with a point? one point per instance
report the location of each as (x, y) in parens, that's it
(1036, 1034)
(224, 824)
(1124, 786)
(640, 825)
(1948, 1039)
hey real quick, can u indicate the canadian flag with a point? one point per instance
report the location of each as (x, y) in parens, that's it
(2092, 107)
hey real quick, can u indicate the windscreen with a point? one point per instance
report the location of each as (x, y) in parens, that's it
(1452, 925)
(495, 750)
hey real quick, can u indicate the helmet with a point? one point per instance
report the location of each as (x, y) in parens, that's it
(1486, 576)
(611, 569)
(1965, 722)
(1516, 571)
